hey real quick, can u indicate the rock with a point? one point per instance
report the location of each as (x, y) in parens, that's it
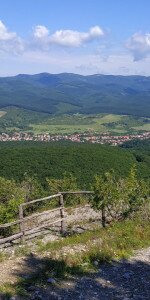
(127, 275)
(49, 238)
(37, 296)
(26, 276)
(31, 288)
(51, 280)
(95, 263)
(54, 296)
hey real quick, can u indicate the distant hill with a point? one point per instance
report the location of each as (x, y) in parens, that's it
(72, 93)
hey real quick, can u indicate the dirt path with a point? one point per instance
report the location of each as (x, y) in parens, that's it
(128, 279)
(125, 280)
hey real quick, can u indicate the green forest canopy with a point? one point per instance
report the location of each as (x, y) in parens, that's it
(84, 161)
(73, 93)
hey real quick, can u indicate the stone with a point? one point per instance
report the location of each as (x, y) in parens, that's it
(51, 280)
(31, 288)
(95, 263)
(127, 275)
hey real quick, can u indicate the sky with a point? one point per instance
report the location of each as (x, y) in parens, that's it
(75, 36)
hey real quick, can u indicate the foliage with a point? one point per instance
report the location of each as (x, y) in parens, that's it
(73, 93)
(8, 189)
(119, 198)
(32, 188)
(51, 160)
(15, 119)
(67, 183)
(136, 192)
(12, 194)
(19, 119)
(35, 170)
(142, 145)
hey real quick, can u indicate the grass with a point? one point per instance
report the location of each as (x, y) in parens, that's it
(2, 113)
(8, 290)
(100, 123)
(16, 119)
(118, 239)
(145, 127)
(3, 256)
(67, 124)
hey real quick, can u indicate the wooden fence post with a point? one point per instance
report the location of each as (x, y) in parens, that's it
(22, 228)
(62, 214)
(103, 216)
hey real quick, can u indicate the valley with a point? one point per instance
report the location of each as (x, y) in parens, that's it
(69, 103)
(13, 119)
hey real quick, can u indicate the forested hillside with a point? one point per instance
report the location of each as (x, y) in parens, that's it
(72, 93)
(52, 160)
(143, 145)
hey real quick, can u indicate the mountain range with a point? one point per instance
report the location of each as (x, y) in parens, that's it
(73, 93)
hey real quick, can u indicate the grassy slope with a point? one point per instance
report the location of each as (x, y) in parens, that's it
(101, 245)
(26, 120)
(2, 113)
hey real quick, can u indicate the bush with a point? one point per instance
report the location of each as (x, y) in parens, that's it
(67, 183)
(119, 198)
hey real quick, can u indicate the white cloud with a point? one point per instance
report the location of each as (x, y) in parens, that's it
(41, 32)
(42, 39)
(62, 51)
(9, 41)
(139, 45)
(5, 35)
(68, 38)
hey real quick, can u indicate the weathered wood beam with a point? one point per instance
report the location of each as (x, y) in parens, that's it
(39, 200)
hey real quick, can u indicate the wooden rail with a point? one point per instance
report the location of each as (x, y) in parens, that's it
(22, 219)
(10, 238)
(9, 224)
(41, 199)
(77, 193)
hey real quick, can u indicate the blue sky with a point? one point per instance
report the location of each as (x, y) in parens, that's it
(80, 36)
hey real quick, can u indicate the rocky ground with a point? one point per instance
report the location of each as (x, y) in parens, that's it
(81, 214)
(126, 280)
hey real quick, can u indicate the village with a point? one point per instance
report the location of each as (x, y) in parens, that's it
(105, 138)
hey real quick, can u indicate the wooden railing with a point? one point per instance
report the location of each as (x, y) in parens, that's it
(23, 231)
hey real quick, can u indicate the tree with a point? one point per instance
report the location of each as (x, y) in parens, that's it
(11, 196)
(119, 198)
(106, 193)
(32, 188)
(136, 192)
(67, 183)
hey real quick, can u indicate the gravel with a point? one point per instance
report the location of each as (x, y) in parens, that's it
(125, 280)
